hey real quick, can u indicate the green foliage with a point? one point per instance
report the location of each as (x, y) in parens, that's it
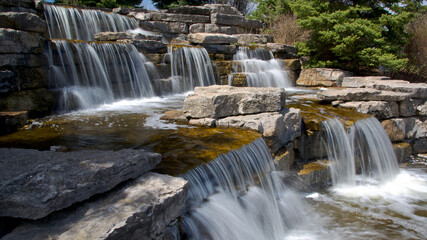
(164, 4)
(355, 35)
(269, 11)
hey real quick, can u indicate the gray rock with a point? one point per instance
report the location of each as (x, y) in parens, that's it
(419, 146)
(211, 38)
(422, 109)
(379, 109)
(395, 129)
(359, 82)
(8, 82)
(37, 183)
(278, 128)
(205, 122)
(16, 3)
(220, 49)
(249, 39)
(114, 36)
(322, 77)
(235, 20)
(402, 151)
(408, 108)
(11, 121)
(38, 102)
(214, 28)
(147, 46)
(222, 8)
(285, 158)
(146, 208)
(399, 129)
(183, 18)
(20, 60)
(417, 90)
(281, 48)
(362, 94)
(23, 21)
(193, 10)
(223, 101)
(164, 27)
(16, 41)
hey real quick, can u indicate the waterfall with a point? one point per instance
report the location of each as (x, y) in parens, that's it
(89, 74)
(366, 146)
(82, 24)
(225, 201)
(190, 67)
(260, 68)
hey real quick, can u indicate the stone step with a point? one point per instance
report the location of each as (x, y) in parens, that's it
(250, 39)
(215, 28)
(211, 38)
(235, 20)
(114, 36)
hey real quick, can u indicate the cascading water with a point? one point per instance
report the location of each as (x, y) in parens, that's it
(82, 24)
(260, 68)
(224, 201)
(367, 144)
(89, 74)
(190, 67)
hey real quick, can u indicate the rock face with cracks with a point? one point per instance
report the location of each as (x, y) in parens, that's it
(36, 183)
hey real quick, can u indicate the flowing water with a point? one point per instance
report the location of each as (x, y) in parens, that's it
(82, 24)
(260, 68)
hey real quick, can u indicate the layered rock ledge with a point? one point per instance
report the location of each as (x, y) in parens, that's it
(36, 183)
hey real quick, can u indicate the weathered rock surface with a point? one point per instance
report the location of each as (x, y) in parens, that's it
(220, 49)
(235, 20)
(292, 64)
(194, 10)
(416, 90)
(164, 27)
(222, 8)
(278, 128)
(20, 60)
(20, 3)
(10, 121)
(379, 109)
(249, 39)
(395, 129)
(214, 28)
(23, 21)
(211, 38)
(37, 102)
(145, 208)
(147, 46)
(422, 109)
(223, 101)
(172, 17)
(419, 146)
(281, 48)
(114, 36)
(324, 77)
(402, 151)
(359, 82)
(238, 80)
(16, 41)
(285, 157)
(362, 94)
(399, 129)
(37, 183)
(408, 108)
(314, 176)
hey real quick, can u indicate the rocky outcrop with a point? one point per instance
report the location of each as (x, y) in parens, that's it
(10, 121)
(37, 183)
(211, 38)
(322, 77)
(145, 208)
(223, 101)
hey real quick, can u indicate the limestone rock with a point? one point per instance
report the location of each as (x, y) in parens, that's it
(402, 151)
(164, 27)
(314, 176)
(20, 3)
(23, 21)
(419, 146)
(222, 8)
(278, 128)
(379, 109)
(214, 28)
(193, 10)
(292, 64)
(235, 20)
(408, 108)
(362, 94)
(114, 36)
(394, 129)
(282, 48)
(238, 80)
(417, 90)
(211, 38)
(37, 102)
(220, 49)
(16, 41)
(174, 115)
(37, 183)
(183, 18)
(358, 82)
(223, 101)
(10, 121)
(20, 60)
(285, 158)
(422, 109)
(322, 77)
(249, 39)
(147, 46)
(8, 82)
(205, 122)
(145, 208)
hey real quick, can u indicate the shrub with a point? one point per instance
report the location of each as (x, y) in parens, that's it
(285, 29)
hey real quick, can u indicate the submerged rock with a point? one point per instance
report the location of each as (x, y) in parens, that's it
(146, 208)
(36, 183)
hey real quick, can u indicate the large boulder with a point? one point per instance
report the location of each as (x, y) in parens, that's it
(235, 20)
(23, 21)
(164, 27)
(16, 41)
(223, 101)
(211, 38)
(322, 77)
(38, 102)
(214, 28)
(379, 109)
(10, 121)
(193, 10)
(146, 208)
(37, 183)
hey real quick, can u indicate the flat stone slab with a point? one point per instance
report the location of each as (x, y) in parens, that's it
(114, 36)
(36, 183)
(224, 101)
(183, 18)
(249, 39)
(362, 94)
(359, 82)
(164, 27)
(235, 20)
(214, 28)
(418, 90)
(211, 38)
(322, 77)
(379, 109)
(142, 209)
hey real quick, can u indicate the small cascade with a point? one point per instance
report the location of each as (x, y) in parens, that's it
(260, 68)
(238, 196)
(82, 24)
(190, 67)
(89, 74)
(366, 146)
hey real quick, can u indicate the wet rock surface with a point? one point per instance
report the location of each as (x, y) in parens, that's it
(35, 183)
(145, 208)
